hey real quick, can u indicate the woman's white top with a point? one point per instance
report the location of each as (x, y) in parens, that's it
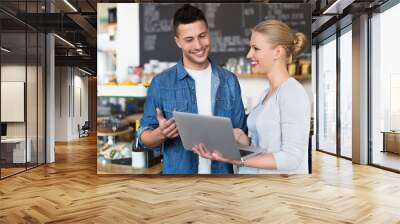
(281, 127)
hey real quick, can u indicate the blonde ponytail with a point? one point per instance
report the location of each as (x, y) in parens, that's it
(300, 41)
(279, 33)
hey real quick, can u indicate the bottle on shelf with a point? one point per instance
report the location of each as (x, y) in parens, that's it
(112, 15)
(139, 156)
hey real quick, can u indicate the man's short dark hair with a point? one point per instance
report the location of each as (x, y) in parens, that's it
(188, 14)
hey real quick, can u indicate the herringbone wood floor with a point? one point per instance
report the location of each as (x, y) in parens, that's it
(70, 191)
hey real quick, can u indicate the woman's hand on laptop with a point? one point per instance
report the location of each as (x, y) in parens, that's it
(202, 151)
(241, 137)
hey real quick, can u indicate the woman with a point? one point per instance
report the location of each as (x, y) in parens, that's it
(279, 124)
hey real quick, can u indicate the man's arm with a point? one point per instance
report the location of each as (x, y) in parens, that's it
(167, 129)
(154, 128)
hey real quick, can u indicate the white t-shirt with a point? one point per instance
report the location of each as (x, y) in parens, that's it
(202, 80)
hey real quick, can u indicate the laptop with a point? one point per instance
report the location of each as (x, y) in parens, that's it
(216, 133)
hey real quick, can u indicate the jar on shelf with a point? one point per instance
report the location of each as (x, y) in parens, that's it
(306, 69)
(292, 68)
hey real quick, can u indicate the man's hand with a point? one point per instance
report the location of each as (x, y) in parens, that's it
(167, 128)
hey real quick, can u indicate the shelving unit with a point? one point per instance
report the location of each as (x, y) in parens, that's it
(107, 45)
(255, 76)
(122, 91)
(106, 27)
(302, 77)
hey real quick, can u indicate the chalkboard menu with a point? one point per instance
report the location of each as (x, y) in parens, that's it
(230, 27)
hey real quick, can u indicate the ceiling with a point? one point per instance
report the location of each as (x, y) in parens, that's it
(79, 27)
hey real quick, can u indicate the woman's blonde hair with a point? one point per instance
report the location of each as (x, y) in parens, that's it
(280, 34)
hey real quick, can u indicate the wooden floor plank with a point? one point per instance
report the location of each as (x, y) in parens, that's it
(70, 191)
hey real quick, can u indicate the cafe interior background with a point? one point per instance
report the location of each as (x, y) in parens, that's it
(132, 50)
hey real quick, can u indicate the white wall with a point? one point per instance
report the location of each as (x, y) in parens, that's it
(17, 73)
(127, 39)
(69, 85)
(61, 103)
(33, 126)
(14, 73)
(80, 100)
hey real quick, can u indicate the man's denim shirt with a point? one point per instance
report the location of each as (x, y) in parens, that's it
(174, 89)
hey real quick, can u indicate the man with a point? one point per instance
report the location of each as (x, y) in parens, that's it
(194, 85)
